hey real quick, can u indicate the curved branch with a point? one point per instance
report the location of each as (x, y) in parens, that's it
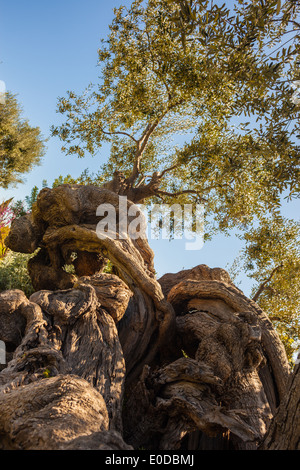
(263, 284)
(120, 133)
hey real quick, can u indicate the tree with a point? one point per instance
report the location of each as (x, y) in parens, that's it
(6, 217)
(21, 145)
(122, 360)
(14, 273)
(153, 88)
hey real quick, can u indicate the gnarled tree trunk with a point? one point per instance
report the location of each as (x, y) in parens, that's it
(122, 360)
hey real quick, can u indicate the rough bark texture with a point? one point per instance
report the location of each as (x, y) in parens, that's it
(66, 377)
(123, 361)
(283, 434)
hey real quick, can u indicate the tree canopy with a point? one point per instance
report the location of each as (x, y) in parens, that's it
(216, 75)
(21, 145)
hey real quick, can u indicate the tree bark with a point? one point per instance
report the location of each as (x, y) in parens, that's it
(283, 433)
(124, 361)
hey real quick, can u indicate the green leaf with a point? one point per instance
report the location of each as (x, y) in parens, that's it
(278, 7)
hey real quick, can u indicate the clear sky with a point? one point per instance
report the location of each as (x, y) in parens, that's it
(47, 48)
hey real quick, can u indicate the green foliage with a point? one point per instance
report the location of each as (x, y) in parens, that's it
(19, 208)
(198, 98)
(108, 269)
(47, 373)
(14, 274)
(220, 79)
(30, 200)
(196, 69)
(21, 146)
(6, 216)
(84, 178)
(271, 257)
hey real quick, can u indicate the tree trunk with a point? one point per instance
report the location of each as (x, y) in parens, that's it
(123, 361)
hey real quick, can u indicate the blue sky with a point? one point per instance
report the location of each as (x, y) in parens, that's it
(47, 48)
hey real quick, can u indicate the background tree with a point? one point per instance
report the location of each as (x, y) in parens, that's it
(271, 258)
(21, 145)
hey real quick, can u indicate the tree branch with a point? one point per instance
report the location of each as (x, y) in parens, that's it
(178, 193)
(120, 132)
(263, 284)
